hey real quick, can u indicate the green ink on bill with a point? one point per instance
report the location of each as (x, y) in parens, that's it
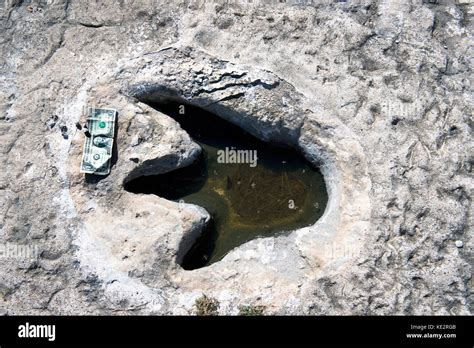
(97, 151)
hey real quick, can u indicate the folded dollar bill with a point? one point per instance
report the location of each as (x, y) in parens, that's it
(97, 151)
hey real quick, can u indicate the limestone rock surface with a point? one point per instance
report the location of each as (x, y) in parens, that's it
(376, 93)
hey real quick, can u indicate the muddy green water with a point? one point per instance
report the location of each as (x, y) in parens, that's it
(282, 192)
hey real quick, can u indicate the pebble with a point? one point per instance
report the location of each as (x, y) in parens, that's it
(459, 243)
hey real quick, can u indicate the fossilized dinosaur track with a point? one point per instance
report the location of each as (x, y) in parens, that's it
(142, 234)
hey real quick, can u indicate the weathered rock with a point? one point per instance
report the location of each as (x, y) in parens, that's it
(378, 95)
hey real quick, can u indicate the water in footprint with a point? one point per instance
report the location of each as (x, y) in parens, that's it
(279, 192)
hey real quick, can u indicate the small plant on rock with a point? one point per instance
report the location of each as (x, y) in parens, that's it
(206, 306)
(251, 310)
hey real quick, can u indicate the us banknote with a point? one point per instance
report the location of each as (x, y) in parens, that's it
(97, 151)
